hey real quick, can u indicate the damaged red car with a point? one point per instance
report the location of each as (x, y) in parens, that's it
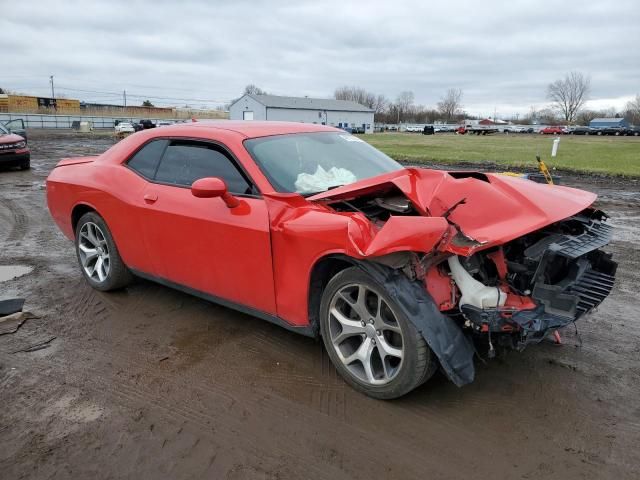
(400, 271)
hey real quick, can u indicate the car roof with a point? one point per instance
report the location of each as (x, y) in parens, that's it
(254, 129)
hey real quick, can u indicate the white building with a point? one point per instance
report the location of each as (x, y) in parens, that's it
(337, 113)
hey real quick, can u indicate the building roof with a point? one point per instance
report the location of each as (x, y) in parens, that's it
(306, 103)
(608, 120)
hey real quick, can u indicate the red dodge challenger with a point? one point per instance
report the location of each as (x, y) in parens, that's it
(401, 271)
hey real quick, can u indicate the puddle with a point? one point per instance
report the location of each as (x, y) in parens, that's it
(9, 272)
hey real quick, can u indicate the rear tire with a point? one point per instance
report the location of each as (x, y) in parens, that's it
(98, 256)
(369, 340)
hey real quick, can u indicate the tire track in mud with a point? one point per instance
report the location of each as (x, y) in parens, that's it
(253, 439)
(329, 403)
(20, 220)
(131, 395)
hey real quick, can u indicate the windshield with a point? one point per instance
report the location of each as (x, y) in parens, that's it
(314, 162)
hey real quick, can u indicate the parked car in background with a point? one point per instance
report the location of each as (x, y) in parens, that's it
(305, 226)
(616, 131)
(163, 123)
(582, 130)
(633, 131)
(124, 127)
(13, 150)
(428, 130)
(552, 131)
(16, 126)
(147, 124)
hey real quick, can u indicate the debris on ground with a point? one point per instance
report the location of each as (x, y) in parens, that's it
(13, 305)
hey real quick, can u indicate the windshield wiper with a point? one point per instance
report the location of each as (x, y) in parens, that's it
(311, 194)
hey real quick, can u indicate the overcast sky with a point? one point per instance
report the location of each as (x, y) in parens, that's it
(502, 54)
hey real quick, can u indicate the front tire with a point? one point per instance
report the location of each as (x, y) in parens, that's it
(26, 165)
(372, 344)
(98, 255)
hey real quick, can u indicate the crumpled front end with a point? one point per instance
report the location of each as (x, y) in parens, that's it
(519, 292)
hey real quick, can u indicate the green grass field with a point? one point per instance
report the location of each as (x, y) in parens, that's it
(606, 155)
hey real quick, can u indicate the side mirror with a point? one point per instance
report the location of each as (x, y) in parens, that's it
(213, 187)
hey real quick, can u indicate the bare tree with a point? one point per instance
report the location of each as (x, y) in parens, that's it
(404, 102)
(633, 110)
(450, 105)
(569, 94)
(584, 117)
(381, 104)
(356, 94)
(252, 89)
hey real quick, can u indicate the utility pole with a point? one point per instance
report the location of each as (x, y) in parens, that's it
(53, 93)
(124, 97)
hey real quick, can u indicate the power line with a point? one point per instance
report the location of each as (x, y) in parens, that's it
(137, 95)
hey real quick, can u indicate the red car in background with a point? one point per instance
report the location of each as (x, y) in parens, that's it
(13, 150)
(315, 230)
(552, 131)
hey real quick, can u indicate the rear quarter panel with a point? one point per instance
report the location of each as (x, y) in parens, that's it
(113, 191)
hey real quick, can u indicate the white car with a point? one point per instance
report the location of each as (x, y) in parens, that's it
(124, 127)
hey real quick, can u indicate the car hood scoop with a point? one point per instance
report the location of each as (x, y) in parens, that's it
(496, 208)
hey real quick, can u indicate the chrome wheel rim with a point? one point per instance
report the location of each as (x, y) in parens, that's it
(94, 252)
(365, 334)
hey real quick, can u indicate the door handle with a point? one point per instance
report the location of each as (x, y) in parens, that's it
(150, 197)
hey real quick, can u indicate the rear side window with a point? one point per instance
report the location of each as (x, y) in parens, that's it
(146, 160)
(184, 163)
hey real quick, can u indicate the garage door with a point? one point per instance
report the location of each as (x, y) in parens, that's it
(247, 115)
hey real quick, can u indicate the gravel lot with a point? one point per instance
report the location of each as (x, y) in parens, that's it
(153, 383)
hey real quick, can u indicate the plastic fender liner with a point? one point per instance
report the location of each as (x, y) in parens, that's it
(446, 339)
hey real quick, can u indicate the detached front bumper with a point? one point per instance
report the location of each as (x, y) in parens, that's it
(15, 158)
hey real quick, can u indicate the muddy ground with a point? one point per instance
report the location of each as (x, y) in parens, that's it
(153, 383)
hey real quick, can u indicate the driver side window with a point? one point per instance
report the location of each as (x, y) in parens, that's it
(185, 162)
(180, 163)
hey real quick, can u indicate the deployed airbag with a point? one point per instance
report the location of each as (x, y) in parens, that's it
(322, 179)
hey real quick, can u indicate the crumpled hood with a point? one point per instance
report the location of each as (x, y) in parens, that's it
(497, 208)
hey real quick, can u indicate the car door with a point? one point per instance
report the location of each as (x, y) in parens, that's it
(202, 243)
(16, 126)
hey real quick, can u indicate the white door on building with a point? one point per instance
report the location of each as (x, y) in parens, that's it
(247, 115)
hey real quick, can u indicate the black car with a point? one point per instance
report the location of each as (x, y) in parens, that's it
(143, 125)
(617, 131)
(583, 131)
(428, 130)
